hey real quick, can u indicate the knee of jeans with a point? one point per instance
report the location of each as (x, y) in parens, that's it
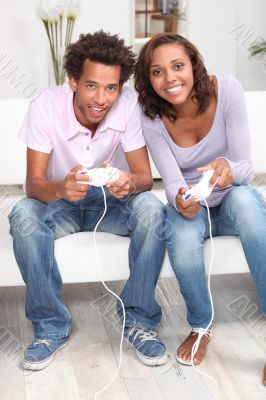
(244, 200)
(183, 230)
(184, 239)
(246, 208)
(149, 210)
(185, 252)
(25, 216)
(185, 246)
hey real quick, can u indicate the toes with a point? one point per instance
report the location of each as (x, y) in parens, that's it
(198, 358)
(185, 349)
(184, 355)
(181, 352)
(196, 361)
(187, 357)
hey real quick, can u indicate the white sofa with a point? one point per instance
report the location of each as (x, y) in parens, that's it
(75, 253)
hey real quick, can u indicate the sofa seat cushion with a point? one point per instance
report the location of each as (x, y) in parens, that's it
(76, 258)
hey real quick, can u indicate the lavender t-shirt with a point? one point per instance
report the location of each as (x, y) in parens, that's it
(228, 138)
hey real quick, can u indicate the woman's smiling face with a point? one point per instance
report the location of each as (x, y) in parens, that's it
(171, 73)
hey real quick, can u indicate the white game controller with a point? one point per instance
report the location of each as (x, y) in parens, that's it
(100, 176)
(202, 189)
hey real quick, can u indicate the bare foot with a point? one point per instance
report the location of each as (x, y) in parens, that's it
(264, 375)
(183, 352)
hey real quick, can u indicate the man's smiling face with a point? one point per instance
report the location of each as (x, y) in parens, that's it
(95, 92)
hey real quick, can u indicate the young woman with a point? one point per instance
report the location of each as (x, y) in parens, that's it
(193, 122)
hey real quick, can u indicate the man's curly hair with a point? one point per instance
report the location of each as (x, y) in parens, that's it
(153, 105)
(100, 47)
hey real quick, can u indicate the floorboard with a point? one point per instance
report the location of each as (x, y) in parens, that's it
(235, 357)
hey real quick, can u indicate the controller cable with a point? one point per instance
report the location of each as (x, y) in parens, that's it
(202, 332)
(114, 294)
(205, 331)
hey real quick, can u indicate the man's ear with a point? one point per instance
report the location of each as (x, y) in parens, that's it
(120, 87)
(73, 83)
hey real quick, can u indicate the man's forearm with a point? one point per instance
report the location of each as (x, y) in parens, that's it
(43, 190)
(140, 182)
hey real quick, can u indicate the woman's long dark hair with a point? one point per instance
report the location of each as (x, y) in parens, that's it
(153, 105)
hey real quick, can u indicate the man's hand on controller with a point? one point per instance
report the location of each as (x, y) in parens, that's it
(221, 171)
(70, 189)
(122, 186)
(188, 208)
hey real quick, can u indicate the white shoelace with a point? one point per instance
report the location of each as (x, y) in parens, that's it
(142, 334)
(42, 341)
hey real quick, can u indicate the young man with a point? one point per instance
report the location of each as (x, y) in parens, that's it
(85, 123)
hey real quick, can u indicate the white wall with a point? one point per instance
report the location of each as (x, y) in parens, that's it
(223, 30)
(252, 22)
(24, 45)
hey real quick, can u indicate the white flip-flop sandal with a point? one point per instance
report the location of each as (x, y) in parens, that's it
(195, 331)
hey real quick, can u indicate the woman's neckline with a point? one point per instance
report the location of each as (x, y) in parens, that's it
(210, 131)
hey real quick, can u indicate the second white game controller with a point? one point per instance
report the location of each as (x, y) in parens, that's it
(100, 176)
(202, 189)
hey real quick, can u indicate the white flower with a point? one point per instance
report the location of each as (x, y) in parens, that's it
(59, 31)
(73, 8)
(50, 10)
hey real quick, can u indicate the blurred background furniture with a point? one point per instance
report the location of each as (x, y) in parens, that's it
(155, 16)
(163, 23)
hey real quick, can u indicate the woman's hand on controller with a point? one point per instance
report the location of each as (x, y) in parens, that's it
(222, 173)
(188, 208)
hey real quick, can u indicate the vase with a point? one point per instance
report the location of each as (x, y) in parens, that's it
(56, 72)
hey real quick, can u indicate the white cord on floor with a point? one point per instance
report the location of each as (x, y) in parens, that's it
(200, 335)
(115, 295)
(204, 331)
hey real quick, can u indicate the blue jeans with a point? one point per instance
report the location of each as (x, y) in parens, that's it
(241, 213)
(35, 225)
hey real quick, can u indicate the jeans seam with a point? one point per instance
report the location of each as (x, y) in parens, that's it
(57, 335)
(123, 221)
(81, 210)
(51, 264)
(66, 209)
(54, 336)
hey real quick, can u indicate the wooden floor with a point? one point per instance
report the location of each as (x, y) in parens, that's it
(235, 358)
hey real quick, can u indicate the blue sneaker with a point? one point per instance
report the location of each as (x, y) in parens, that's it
(41, 352)
(150, 350)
